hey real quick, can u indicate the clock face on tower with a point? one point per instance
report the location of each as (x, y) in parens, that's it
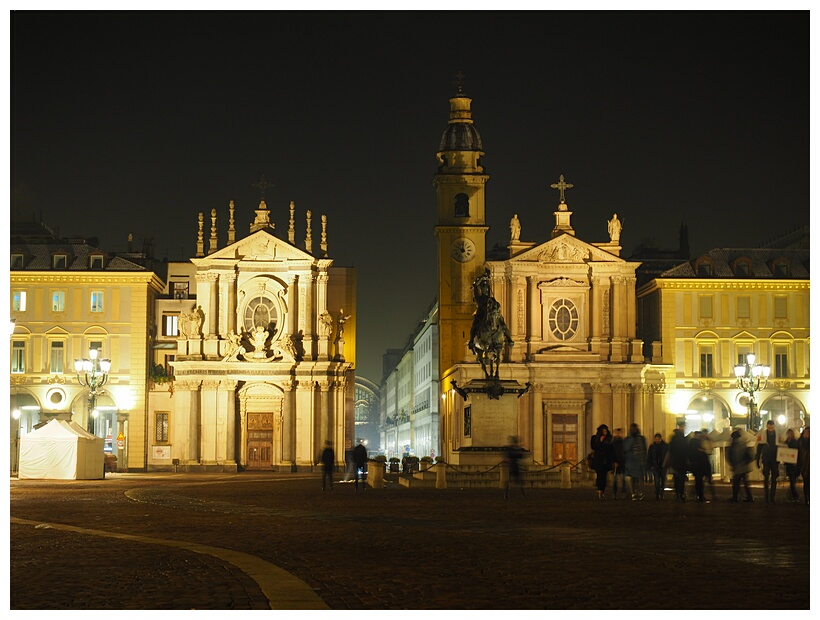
(462, 250)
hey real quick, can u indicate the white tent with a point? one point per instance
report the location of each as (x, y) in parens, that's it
(61, 450)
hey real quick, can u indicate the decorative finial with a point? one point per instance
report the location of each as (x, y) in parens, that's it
(262, 185)
(231, 228)
(323, 243)
(212, 243)
(291, 226)
(561, 187)
(309, 234)
(459, 83)
(200, 240)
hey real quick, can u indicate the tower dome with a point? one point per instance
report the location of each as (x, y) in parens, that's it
(461, 134)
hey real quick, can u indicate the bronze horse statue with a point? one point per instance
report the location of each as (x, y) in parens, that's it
(489, 332)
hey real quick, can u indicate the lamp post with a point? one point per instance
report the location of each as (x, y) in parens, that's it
(95, 371)
(751, 378)
(16, 415)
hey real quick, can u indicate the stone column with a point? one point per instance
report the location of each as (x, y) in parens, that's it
(207, 438)
(324, 413)
(288, 424)
(210, 327)
(230, 421)
(243, 432)
(310, 317)
(539, 452)
(229, 312)
(534, 312)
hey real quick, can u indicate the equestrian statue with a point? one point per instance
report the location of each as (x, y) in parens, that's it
(489, 332)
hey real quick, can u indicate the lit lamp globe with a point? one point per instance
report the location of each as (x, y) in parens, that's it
(15, 414)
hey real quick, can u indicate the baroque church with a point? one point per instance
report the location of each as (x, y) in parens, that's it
(569, 305)
(259, 337)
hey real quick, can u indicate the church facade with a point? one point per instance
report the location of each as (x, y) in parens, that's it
(257, 341)
(569, 305)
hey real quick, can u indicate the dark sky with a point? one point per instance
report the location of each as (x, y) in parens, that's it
(134, 122)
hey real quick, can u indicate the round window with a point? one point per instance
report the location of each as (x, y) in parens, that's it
(563, 319)
(261, 312)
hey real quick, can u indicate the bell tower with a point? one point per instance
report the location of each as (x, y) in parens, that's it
(461, 228)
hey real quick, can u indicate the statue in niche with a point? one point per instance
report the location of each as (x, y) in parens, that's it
(489, 332)
(190, 323)
(614, 227)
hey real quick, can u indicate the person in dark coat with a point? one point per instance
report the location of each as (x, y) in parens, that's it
(767, 454)
(635, 460)
(792, 469)
(328, 463)
(679, 461)
(359, 464)
(618, 463)
(740, 457)
(601, 444)
(803, 461)
(699, 464)
(513, 459)
(655, 457)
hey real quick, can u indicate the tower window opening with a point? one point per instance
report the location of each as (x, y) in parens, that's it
(462, 205)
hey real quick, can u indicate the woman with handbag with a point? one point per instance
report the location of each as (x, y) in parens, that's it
(602, 458)
(792, 469)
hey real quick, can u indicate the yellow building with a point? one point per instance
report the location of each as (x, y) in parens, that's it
(704, 316)
(68, 297)
(254, 353)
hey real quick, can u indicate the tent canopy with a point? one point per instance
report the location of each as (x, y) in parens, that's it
(61, 450)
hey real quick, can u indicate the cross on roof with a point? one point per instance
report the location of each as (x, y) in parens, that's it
(262, 185)
(459, 83)
(561, 186)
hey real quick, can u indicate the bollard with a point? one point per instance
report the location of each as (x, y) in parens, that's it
(375, 474)
(441, 475)
(566, 481)
(503, 476)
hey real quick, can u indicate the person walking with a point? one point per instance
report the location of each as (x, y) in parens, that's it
(679, 461)
(635, 460)
(359, 465)
(699, 464)
(618, 463)
(803, 461)
(328, 459)
(792, 469)
(601, 444)
(740, 457)
(513, 461)
(767, 453)
(655, 458)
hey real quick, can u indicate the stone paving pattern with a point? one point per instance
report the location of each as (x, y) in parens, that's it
(399, 548)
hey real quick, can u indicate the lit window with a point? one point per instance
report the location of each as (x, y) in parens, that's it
(707, 368)
(60, 261)
(96, 261)
(180, 290)
(96, 301)
(744, 306)
(170, 325)
(18, 357)
(261, 312)
(58, 301)
(161, 430)
(16, 261)
(18, 301)
(57, 358)
(563, 319)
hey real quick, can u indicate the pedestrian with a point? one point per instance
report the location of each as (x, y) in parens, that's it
(601, 444)
(740, 457)
(655, 457)
(699, 464)
(513, 460)
(328, 460)
(767, 454)
(679, 461)
(618, 463)
(635, 460)
(803, 461)
(792, 469)
(359, 464)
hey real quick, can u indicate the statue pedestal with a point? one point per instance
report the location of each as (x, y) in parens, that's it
(490, 420)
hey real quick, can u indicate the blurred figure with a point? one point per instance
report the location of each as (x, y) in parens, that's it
(328, 462)
(514, 455)
(655, 459)
(618, 464)
(699, 464)
(706, 447)
(767, 453)
(803, 461)
(635, 460)
(740, 456)
(601, 444)
(792, 469)
(359, 464)
(679, 461)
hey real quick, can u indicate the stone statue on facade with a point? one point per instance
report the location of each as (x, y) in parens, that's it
(489, 332)
(515, 228)
(614, 227)
(325, 324)
(259, 336)
(235, 348)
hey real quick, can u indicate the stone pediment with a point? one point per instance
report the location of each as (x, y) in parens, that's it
(565, 249)
(259, 246)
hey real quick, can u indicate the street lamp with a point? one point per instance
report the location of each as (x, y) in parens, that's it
(752, 378)
(16, 415)
(96, 375)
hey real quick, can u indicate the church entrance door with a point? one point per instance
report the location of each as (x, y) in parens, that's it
(260, 441)
(564, 438)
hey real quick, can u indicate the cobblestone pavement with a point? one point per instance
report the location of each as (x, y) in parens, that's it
(251, 541)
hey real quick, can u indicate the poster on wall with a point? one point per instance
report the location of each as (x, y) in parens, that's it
(162, 452)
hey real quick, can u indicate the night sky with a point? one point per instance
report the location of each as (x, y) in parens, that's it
(135, 122)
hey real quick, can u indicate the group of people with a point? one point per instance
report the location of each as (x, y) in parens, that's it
(328, 461)
(630, 461)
